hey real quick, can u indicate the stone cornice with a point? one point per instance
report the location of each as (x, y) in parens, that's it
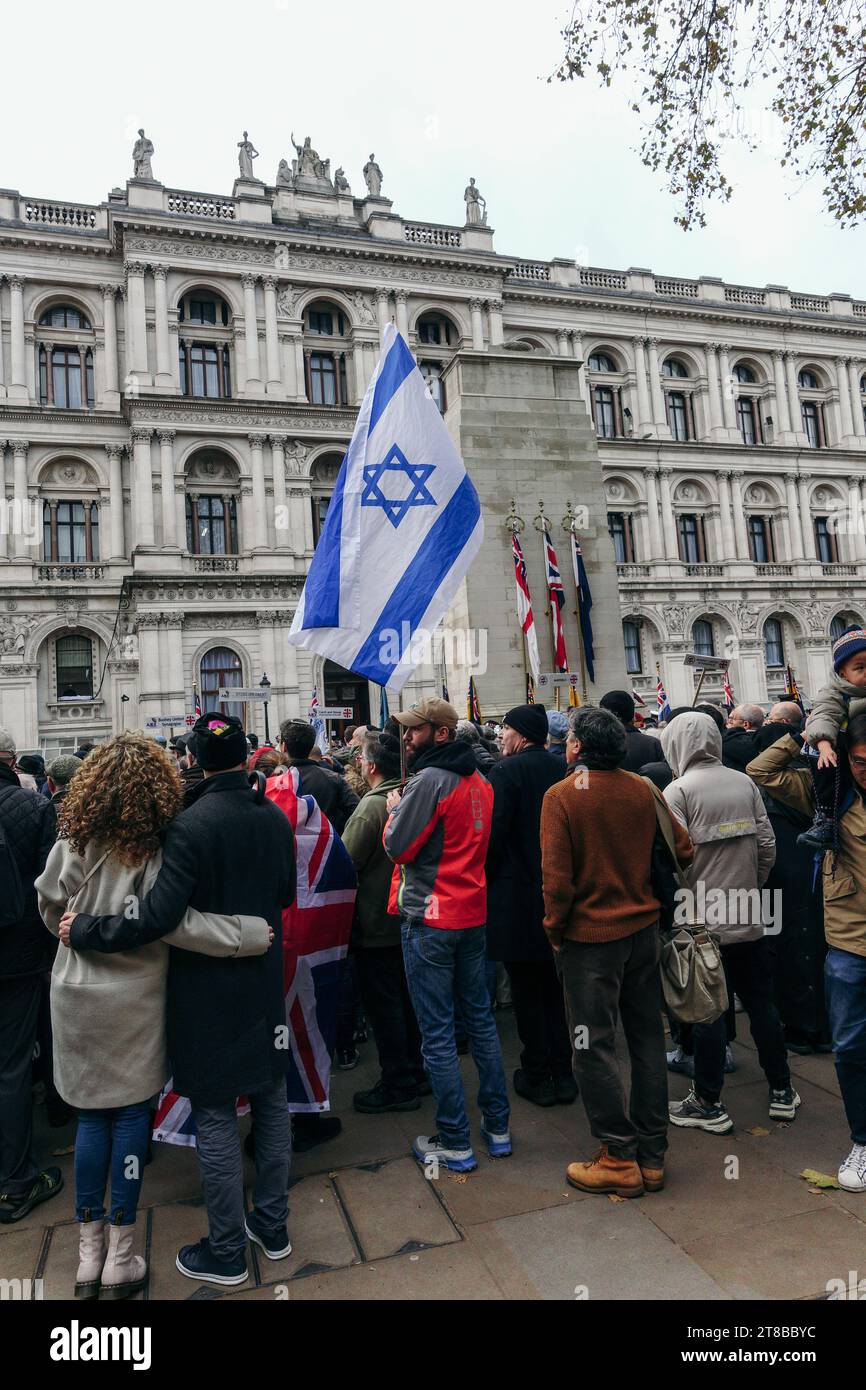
(243, 416)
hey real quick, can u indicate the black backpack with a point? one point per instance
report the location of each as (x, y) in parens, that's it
(11, 888)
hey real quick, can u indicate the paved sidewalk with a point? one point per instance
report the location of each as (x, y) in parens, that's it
(365, 1223)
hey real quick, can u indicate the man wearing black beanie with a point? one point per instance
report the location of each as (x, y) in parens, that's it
(515, 906)
(230, 850)
(640, 748)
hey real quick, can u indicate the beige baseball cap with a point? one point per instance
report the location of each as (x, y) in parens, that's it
(429, 711)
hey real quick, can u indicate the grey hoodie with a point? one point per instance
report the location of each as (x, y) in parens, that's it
(722, 810)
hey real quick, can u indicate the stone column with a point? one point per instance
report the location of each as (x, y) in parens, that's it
(251, 334)
(2, 372)
(644, 422)
(281, 509)
(136, 326)
(383, 312)
(30, 366)
(18, 364)
(297, 538)
(658, 395)
(150, 695)
(173, 628)
(806, 525)
(115, 501)
(477, 325)
(860, 514)
(4, 532)
(163, 357)
(668, 523)
(497, 331)
(299, 367)
(729, 543)
(246, 519)
(794, 397)
(715, 400)
(715, 515)
(657, 547)
(562, 342)
(109, 321)
(846, 417)
(577, 351)
(401, 300)
(272, 341)
(20, 549)
(856, 532)
(855, 371)
(174, 356)
(142, 489)
(307, 514)
(180, 514)
(260, 505)
(783, 412)
(644, 549)
(166, 468)
(794, 519)
(290, 372)
(729, 413)
(268, 655)
(742, 539)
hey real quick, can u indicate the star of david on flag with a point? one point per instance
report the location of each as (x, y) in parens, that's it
(403, 526)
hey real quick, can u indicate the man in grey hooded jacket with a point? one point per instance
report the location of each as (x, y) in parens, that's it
(735, 848)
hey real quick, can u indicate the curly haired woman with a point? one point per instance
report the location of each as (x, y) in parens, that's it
(108, 1011)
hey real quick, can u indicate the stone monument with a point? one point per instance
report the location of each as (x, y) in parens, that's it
(475, 217)
(246, 154)
(141, 155)
(373, 177)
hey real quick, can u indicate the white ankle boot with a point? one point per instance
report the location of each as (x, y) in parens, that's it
(91, 1258)
(123, 1272)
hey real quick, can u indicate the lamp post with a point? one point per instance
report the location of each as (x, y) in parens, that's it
(266, 685)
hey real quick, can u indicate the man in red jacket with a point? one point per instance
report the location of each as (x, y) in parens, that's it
(437, 836)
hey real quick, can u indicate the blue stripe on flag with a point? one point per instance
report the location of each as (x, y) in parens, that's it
(322, 590)
(411, 596)
(397, 366)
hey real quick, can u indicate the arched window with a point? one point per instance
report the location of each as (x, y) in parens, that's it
(774, 646)
(205, 354)
(808, 381)
(672, 366)
(73, 658)
(601, 362)
(325, 319)
(631, 641)
(436, 330)
(843, 621)
(65, 316)
(744, 374)
(220, 668)
(325, 364)
(812, 408)
(432, 374)
(702, 638)
(748, 406)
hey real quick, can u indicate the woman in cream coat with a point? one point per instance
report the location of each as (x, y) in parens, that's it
(108, 1011)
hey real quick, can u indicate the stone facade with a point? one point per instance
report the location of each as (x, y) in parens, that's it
(179, 375)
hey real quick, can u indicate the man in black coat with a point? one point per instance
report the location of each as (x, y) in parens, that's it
(332, 794)
(229, 851)
(739, 740)
(27, 832)
(515, 906)
(639, 748)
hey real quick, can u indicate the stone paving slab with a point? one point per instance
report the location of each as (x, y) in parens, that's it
(318, 1231)
(62, 1263)
(611, 1249)
(441, 1274)
(20, 1250)
(392, 1207)
(789, 1258)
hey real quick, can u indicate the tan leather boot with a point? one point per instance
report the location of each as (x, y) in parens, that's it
(606, 1174)
(91, 1258)
(123, 1273)
(653, 1178)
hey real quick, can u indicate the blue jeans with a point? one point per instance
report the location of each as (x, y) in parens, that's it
(442, 964)
(115, 1142)
(845, 981)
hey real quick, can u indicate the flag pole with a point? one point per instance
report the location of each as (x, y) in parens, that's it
(545, 526)
(569, 523)
(515, 525)
(703, 670)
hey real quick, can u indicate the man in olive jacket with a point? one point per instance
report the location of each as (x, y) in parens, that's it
(376, 942)
(229, 851)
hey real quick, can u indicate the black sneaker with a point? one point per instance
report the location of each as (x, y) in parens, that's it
(565, 1090)
(46, 1186)
(347, 1058)
(693, 1113)
(819, 836)
(198, 1262)
(784, 1103)
(539, 1092)
(381, 1099)
(273, 1240)
(308, 1131)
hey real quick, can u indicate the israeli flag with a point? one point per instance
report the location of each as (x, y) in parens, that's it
(402, 529)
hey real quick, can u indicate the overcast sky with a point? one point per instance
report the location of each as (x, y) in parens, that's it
(438, 91)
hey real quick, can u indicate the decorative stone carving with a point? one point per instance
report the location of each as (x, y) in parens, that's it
(373, 177)
(207, 468)
(674, 615)
(364, 309)
(142, 151)
(687, 492)
(287, 300)
(296, 457)
(615, 491)
(475, 217)
(285, 177)
(310, 168)
(129, 647)
(341, 183)
(14, 633)
(815, 614)
(756, 495)
(247, 152)
(69, 474)
(746, 616)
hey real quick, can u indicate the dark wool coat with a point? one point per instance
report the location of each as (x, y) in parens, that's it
(228, 853)
(29, 823)
(515, 905)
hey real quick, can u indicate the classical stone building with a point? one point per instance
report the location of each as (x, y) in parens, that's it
(179, 376)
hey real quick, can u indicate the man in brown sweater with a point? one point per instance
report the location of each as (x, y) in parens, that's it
(601, 916)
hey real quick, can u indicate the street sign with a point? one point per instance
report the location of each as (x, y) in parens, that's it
(707, 663)
(240, 693)
(169, 721)
(551, 680)
(332, 712)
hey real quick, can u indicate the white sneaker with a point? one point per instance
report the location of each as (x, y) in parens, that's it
(428, 1148)
(852, 1174)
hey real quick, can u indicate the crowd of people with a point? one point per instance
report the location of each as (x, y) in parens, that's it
(143, 914)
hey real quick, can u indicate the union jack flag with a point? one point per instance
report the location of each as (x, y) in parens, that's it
(473, 709)
(662, 698)
(556, 595)
(316, 931)
(317, 723)
(637, 697)
(729, 694)
(196, 701)
(524, 606)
